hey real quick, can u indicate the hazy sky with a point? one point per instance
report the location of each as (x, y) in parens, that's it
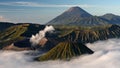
(42, 11)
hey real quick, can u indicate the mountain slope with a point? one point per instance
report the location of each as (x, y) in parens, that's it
(90, 21)
(65, 51)
(90, 35)
(11, 34)
(113, 19)
(5, 25)
(18, 32)
(77, 16)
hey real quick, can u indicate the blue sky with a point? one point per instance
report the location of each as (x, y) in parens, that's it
(42, 11)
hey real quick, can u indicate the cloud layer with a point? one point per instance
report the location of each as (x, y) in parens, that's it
(107, 55)
(3, 19)
(34, 4)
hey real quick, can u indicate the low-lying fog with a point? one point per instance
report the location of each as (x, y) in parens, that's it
(107, 55)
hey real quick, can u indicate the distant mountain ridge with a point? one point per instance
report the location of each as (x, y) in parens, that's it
(5, 25)
(111, 18)
(78, 16)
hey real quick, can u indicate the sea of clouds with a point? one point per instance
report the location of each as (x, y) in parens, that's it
(107, 55)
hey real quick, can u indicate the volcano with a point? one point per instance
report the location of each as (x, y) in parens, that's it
(77, 16)
(65, 51)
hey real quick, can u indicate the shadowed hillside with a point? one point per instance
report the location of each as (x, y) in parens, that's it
(111, 18)
(5, 25)
(65, 51)
(89, 35)
(18, 32)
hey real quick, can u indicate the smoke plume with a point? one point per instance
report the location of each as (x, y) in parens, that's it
(35, 39)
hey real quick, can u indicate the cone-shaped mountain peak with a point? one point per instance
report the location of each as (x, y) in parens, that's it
(77, 10)
(74, 8)
(77, 16)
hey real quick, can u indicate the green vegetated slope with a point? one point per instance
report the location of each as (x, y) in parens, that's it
(71, 38)
(17, 33)
(65, 51)
(11, 35)
(90, 34)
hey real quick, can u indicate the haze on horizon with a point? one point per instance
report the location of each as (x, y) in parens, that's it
(42, 11)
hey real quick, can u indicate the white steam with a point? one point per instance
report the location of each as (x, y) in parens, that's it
(35, 39)
(107, 55)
